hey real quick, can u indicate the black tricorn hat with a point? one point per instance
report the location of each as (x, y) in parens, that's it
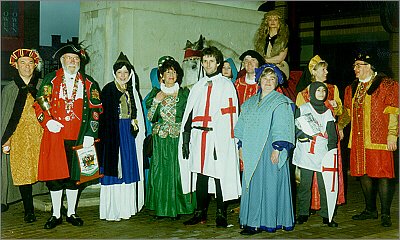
(72, 48)
(253, 54)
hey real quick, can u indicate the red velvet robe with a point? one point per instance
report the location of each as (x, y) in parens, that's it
(369, 109)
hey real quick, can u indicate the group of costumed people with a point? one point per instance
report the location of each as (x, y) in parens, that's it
(205, 140)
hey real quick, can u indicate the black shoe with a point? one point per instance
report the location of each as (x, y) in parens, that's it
(4, 207)
(249, 231)
(158, 217)
(366, 215)
(199, 217)
(331, 223)
(30, 218)
(75, 220)
(221, 219)
(301, 219)
(385, 220)
(52, 222)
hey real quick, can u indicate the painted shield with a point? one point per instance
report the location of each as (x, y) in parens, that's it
(330, 175)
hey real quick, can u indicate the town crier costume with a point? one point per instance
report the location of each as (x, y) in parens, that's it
(372, 102)
(71, 120)
(209, 163)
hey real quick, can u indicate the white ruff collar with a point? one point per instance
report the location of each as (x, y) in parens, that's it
(170, 90)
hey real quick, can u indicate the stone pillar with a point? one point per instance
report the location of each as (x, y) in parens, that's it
(147, 30)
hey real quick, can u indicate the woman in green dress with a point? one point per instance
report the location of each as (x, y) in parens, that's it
(166, 107)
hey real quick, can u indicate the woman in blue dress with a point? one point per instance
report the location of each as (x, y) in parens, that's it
(122, 131)
(266, 202)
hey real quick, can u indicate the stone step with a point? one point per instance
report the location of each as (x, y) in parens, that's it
(90, 196)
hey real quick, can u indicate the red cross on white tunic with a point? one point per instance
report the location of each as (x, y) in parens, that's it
(231, 109)
(205, 119)
(312, 146)
(334, 170)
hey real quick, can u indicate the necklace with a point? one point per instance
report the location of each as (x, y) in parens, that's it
(69, 102)
(360, 95)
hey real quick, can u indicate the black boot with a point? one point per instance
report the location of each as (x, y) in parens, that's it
(200, 216)
(331, 223)
(221, 219)
(301, 219)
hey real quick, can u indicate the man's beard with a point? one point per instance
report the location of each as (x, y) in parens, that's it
(67, 70)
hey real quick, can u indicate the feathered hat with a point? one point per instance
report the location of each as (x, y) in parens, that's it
(77, 49)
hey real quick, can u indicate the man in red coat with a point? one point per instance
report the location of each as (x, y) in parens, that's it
(72, 120)
(246, 85)
(372, 103)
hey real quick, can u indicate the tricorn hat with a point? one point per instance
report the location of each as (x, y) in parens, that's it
(72, 48)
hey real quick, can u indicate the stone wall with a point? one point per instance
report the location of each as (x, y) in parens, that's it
(146, 30)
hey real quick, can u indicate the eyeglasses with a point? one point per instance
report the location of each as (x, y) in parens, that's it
(69, 58)
(358, 65)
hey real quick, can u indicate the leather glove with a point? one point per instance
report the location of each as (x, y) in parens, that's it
(185, 145)
(134, 127)
(54, 126)
(88, 141)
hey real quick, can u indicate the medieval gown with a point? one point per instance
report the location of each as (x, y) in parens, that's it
(122, 194)
(164, 189)
(266, 201)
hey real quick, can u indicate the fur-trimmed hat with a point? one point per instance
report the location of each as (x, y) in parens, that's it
(253, 54)
(72, 48)
(23, 52)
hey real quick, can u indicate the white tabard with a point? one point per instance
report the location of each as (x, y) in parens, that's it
(309, 155)
(220, 114)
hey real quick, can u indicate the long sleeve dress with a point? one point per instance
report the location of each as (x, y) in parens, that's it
(266, 202)
(121, 193)
(164, 187)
